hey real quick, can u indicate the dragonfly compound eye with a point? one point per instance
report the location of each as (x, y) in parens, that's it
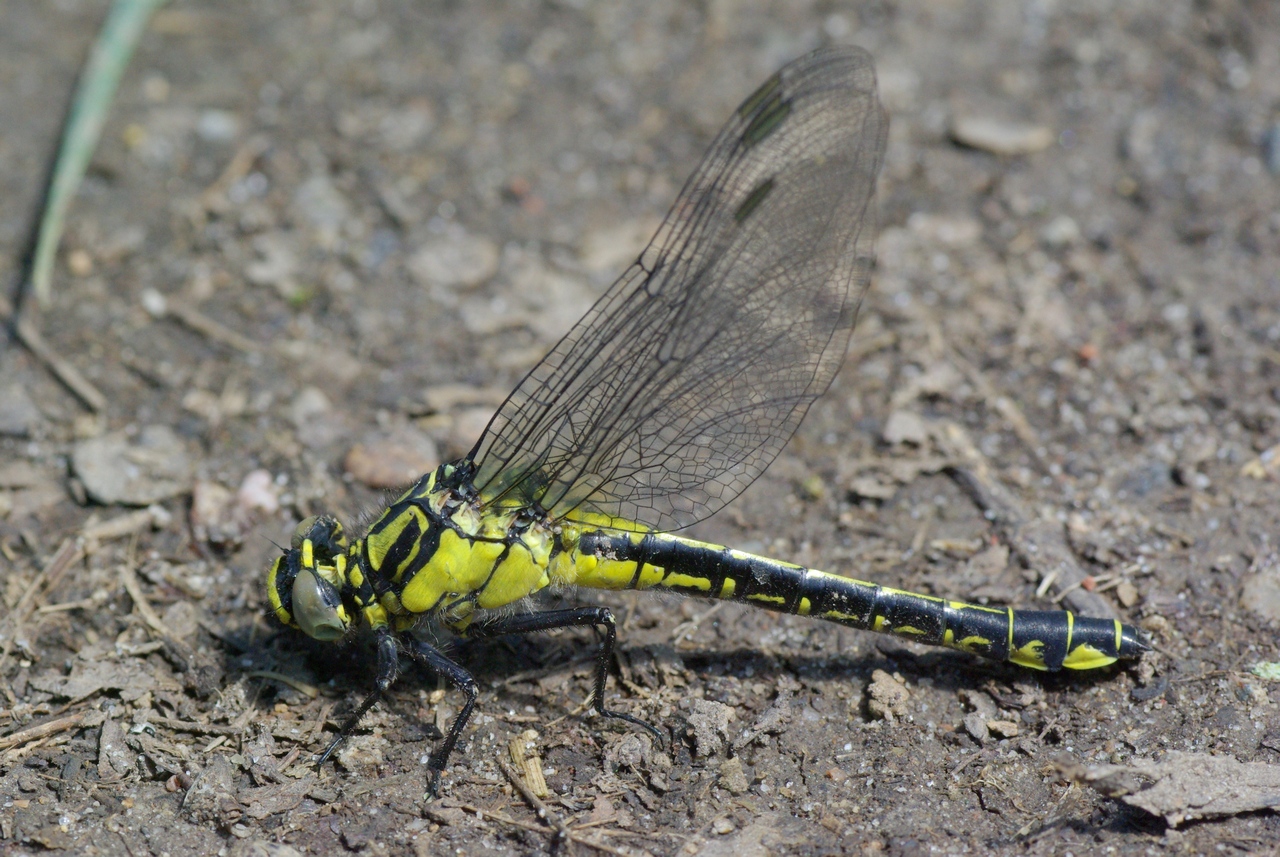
(317, 607)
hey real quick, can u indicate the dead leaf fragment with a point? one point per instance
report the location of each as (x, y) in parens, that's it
(1185, 786)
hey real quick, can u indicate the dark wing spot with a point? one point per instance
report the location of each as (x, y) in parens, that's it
(753, 200)
(771, 114)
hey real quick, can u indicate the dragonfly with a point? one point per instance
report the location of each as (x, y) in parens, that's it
(672, 394)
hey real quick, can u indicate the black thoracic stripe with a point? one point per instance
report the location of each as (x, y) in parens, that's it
(430, 542)
(390, 575)
(642, 552)
(493, 569)
(398, 554)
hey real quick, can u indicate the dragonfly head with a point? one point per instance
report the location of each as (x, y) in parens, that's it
(306, 584)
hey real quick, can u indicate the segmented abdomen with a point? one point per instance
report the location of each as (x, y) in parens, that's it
(1045, 640)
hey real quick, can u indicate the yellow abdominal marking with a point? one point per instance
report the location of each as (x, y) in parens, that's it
(688, 581)
(768, 599)
(1086, 657)
(973, 644)
(1029, 656)
(961, 605)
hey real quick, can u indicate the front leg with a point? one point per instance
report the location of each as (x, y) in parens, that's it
(596, 617)
(388, 670)
(457, 676)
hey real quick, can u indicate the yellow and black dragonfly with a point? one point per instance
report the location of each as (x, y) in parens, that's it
(672, 394)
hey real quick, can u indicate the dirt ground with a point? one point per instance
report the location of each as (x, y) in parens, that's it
(320, 241)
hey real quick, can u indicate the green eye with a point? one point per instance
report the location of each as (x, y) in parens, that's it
(317, 607)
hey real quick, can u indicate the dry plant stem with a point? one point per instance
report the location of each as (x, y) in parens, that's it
(524, 825)
(1039, 543)
(149, 615)
(89, 395)
(212, 330)
(562, 832)
(44, 730)
(68, 553)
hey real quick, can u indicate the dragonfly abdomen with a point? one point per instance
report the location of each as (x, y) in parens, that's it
(1046, 640)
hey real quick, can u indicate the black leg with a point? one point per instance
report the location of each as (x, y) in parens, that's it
(388, 670)
(424, 653)
(429, 655)
(596, 617)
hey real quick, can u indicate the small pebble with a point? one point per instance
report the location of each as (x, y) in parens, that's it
(1003, 728)
(276, 265)
(723, 825)
(1062, 231)
(116, 468)
(905, 427)
(611, 249)
(222, 517)
(1271, 148)
(733, 778)
(1000, 137)
(976, 725)
(318, 202)
(79, 263)
(19, 415)
(1127, 594)
(453, 261)
(887, 696)
(217, 126)
(1261, 591)
(709, 725)
(941, 229)
(391, 460)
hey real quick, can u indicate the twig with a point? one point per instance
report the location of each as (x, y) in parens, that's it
(69, 552)
(125, 525)
(685, 630)
(193, 727)
(562, 832)
(144, 608)
(213, 198)
(1040, 544)
(530, 764)
(18, 753)
(524, 825)
(1004, 406)
(44, 730)
(207, 327)
(300, 686)
(65, 372)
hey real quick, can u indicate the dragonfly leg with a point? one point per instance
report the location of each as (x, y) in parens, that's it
(596, 617)
(430, 656)
(388, 671)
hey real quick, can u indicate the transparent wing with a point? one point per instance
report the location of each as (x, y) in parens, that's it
(686, 378)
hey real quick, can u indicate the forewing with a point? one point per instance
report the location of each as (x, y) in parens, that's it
(687, 377)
